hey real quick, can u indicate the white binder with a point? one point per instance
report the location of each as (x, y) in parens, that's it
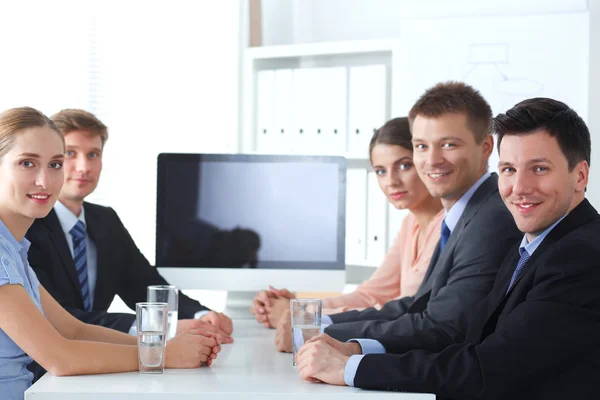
(265, 110)
(376, 220)
(332, 95)
(356, 215)
(305, 94)
(283, 142)
(367, 106)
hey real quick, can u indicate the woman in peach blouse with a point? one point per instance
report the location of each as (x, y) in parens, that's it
(404, 266)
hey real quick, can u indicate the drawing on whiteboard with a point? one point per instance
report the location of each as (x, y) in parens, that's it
(485, 62)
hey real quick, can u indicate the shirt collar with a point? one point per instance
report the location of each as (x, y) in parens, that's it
(457, 209)
(66, 217)
(23, 245)
(532, 246)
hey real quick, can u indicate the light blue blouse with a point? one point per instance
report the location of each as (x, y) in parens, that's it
(15, 270)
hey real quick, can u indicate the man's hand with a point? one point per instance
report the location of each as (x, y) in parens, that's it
(318, 361)
(283, 334)
(346, 348)
(276, 310)
(282, 293)
(191, 350)
(259, 307)
(220, 320)
(264, 303)
(203, 328)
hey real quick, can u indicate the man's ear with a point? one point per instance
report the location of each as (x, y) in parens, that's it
(488, 145)
(581, 174)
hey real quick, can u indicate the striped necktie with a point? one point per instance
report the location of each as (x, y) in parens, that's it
(522, 261)
(80, 258)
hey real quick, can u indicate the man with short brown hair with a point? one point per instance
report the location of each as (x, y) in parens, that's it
(450, 125)
(86, 282)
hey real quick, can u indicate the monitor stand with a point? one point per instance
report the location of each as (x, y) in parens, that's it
(238, 304)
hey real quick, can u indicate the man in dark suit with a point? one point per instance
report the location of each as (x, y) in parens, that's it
(452, 144)
(535, 336)
(86, 282)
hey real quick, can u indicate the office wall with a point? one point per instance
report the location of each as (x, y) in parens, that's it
(165, 80)
(336, 20)
(307, 21)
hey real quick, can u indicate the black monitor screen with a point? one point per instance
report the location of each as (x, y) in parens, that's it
(250, 211)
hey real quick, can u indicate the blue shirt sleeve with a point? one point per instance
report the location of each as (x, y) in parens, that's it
(8, 270)
(369, 346)
(325, 322)
(35, 283)
(351, 368)
(133, 329)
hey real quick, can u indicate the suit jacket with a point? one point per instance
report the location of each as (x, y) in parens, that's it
(457, 278)
(538, 341)
(122, 268)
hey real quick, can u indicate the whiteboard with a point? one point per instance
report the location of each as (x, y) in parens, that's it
(508, 59)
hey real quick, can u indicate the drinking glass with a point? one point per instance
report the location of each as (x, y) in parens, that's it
(152, 332)
(170, 295)
(306, 321)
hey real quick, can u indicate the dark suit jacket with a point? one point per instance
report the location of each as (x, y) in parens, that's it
(457, 278)
(539, 341)
(122, 269)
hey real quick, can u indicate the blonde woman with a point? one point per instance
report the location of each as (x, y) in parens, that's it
(32, 324)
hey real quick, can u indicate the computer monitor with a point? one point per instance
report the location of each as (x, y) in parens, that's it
(240, 222)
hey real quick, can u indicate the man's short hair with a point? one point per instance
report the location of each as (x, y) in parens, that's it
(455, 98)
(553, 116)
(70, 119)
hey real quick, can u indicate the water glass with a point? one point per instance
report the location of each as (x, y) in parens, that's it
(152, 332)
(170, 295)
(306, 321)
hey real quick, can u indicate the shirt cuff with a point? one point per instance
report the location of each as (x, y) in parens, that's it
(369, 346)
(200, 314)
(133, 329)
(326, 320)
(351, 368)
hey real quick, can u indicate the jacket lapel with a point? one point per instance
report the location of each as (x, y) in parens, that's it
(437, 264)
(425, 285)
(97, 233)
(487, 188)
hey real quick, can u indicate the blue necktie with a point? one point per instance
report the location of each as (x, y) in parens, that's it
(522, 261)
(444, 236)
(80, 258)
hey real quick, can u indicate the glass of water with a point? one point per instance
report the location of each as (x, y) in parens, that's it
(306, 321)
(152, 332)
(170, 295)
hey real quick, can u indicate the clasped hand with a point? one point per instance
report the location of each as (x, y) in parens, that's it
(198, 341)
(323, 359)
(268, 306)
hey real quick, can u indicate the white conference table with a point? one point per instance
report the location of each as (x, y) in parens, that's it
(250, 368)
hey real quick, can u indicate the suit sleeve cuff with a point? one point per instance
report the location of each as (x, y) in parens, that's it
(351, 368)
(369, 346)
(201, 314)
